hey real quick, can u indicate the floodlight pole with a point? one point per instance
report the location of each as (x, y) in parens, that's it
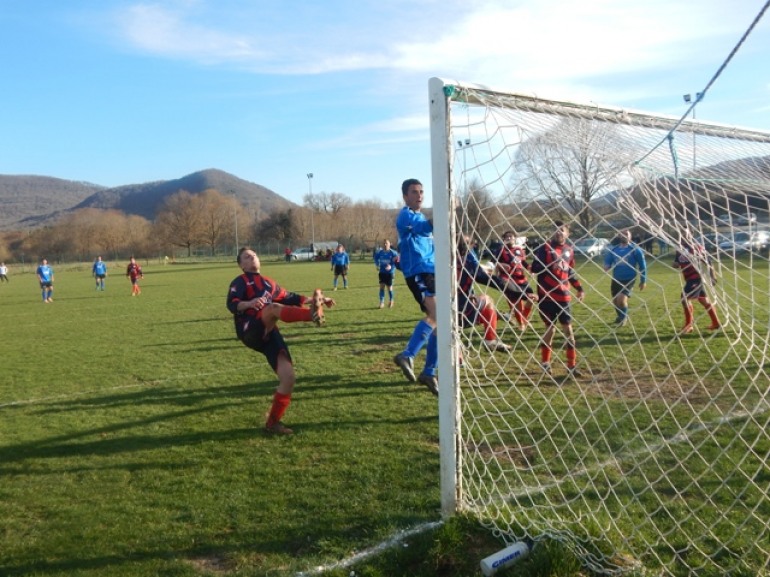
(312, 211)
(688, 98)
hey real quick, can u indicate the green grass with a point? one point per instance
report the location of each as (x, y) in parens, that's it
(131, 442)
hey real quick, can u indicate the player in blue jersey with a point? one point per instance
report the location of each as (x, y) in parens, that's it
(99, 271)
(415, 234)
(624, 259)
(45, 276)
(340, 265)
(386, 260)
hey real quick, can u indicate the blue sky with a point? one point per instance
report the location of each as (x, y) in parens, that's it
(121, 91)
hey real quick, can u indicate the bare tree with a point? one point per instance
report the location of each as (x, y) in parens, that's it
(180, 221)
(567, 167)
(279, 226)
(328, 203)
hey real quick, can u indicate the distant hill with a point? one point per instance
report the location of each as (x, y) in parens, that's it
(25, 196)
(36, 200)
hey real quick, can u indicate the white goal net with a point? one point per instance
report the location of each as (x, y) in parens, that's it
(656, 456)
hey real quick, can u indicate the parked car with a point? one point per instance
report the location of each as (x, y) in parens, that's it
(711, 241)
(743, 241)
(302, 254)
(590, 247)
(746, 219)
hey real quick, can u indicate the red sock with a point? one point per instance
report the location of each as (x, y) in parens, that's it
(545, 353)
(489, 320)
(280, 404)
(571, 357)
(687, 314)
(710, 309)
(295, 314)
(518, 312)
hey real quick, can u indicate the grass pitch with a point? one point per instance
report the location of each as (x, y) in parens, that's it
(131, 436)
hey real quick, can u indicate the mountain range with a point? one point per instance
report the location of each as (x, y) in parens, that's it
(29, 201)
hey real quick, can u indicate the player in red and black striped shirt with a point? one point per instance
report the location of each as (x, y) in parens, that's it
(258, 303)
(553, 263)
(691, 260)
(512, 266)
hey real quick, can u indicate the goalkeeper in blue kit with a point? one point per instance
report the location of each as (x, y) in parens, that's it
(624, 259)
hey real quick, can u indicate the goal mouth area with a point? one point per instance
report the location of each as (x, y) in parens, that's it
(657, 443)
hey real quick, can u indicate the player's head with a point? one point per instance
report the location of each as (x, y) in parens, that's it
(340, 247)
(386, 244)
(509, 237)
(624, 236)
(411, 190)
(248, 260)
(560, 233)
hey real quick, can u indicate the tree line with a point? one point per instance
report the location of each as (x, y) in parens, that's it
(209, 223)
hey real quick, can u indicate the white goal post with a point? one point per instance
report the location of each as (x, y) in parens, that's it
(652, 452)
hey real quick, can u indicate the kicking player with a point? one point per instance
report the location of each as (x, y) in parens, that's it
(257, 304)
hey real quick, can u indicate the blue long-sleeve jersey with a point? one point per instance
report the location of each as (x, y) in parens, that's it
(415, 235)
(384, 259)
(625, 261)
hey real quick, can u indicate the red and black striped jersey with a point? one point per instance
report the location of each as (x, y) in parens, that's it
(251, 286)
(686, 261)
(512, 263)
(554, 266)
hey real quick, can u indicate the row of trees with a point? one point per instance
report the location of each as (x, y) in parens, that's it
(208, 223)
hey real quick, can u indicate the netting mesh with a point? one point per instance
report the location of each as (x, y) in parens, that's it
(656, 458)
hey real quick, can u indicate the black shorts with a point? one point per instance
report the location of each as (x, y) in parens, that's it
(552, 312)
(422, 285)
(619, 287)
(693, 289)
(46, 284)
(271, 345)
(100, 276)
(340, 269)
(386, 278)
